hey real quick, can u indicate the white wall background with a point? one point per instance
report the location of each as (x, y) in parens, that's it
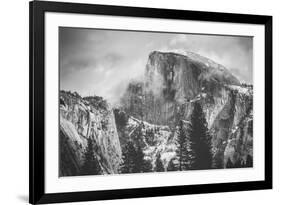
(14, 100)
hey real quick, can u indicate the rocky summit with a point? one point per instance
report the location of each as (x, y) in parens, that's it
(150, 113)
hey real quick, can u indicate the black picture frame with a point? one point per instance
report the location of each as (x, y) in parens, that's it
(37, 9)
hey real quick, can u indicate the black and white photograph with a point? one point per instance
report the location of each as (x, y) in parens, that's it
(139, 102)
(150, 102)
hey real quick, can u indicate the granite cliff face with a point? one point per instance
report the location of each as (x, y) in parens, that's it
(83, 118)
(172, 80)
(172, 84)
(150, 112)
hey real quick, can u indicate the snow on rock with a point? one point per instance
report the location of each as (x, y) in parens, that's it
(155, 139)
(175, 81)
(150, 111)
(241, 89)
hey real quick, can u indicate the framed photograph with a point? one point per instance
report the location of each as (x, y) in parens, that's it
(140, 102)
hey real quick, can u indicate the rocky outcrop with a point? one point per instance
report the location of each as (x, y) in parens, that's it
(83, 118)
(173, 82)
(150, 112)
(170, 81)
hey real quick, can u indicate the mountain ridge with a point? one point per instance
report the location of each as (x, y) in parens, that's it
(154, 107)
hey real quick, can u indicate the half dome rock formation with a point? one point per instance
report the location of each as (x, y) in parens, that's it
(150, 113)
(173, 82)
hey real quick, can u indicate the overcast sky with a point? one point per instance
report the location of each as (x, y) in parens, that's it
(102, 62)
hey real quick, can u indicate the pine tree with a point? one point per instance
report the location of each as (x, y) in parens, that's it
(133, 159)
(229, 163)
(249, 161)
(138, 135)
(200, 140)
(139, 162)
(147, 166)
(129, 155)
(238, 163)
(218, 160)
(171, 166)
(91, 164)
(133, 156)
(182, 148)
(158, 164)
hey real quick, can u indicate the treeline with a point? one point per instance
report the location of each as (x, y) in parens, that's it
(194, 150)
(245, 85)
(91, 165)
(240, 163)
(133, 157)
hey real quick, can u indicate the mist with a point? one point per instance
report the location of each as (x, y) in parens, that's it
(103, 62)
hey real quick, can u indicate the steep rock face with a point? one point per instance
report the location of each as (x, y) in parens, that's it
(170, 81)
(231, 125)
(83, 118)
(173, 82)
(150, 112)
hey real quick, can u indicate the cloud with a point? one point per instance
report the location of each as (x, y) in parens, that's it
(103, 62)
(235, 53)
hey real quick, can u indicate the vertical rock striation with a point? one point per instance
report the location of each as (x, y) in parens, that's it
(83, 118)
(173, 82)
(152, 108)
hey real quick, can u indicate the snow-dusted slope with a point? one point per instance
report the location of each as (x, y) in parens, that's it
(173, 82)
(155, 139)
(150, 113)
